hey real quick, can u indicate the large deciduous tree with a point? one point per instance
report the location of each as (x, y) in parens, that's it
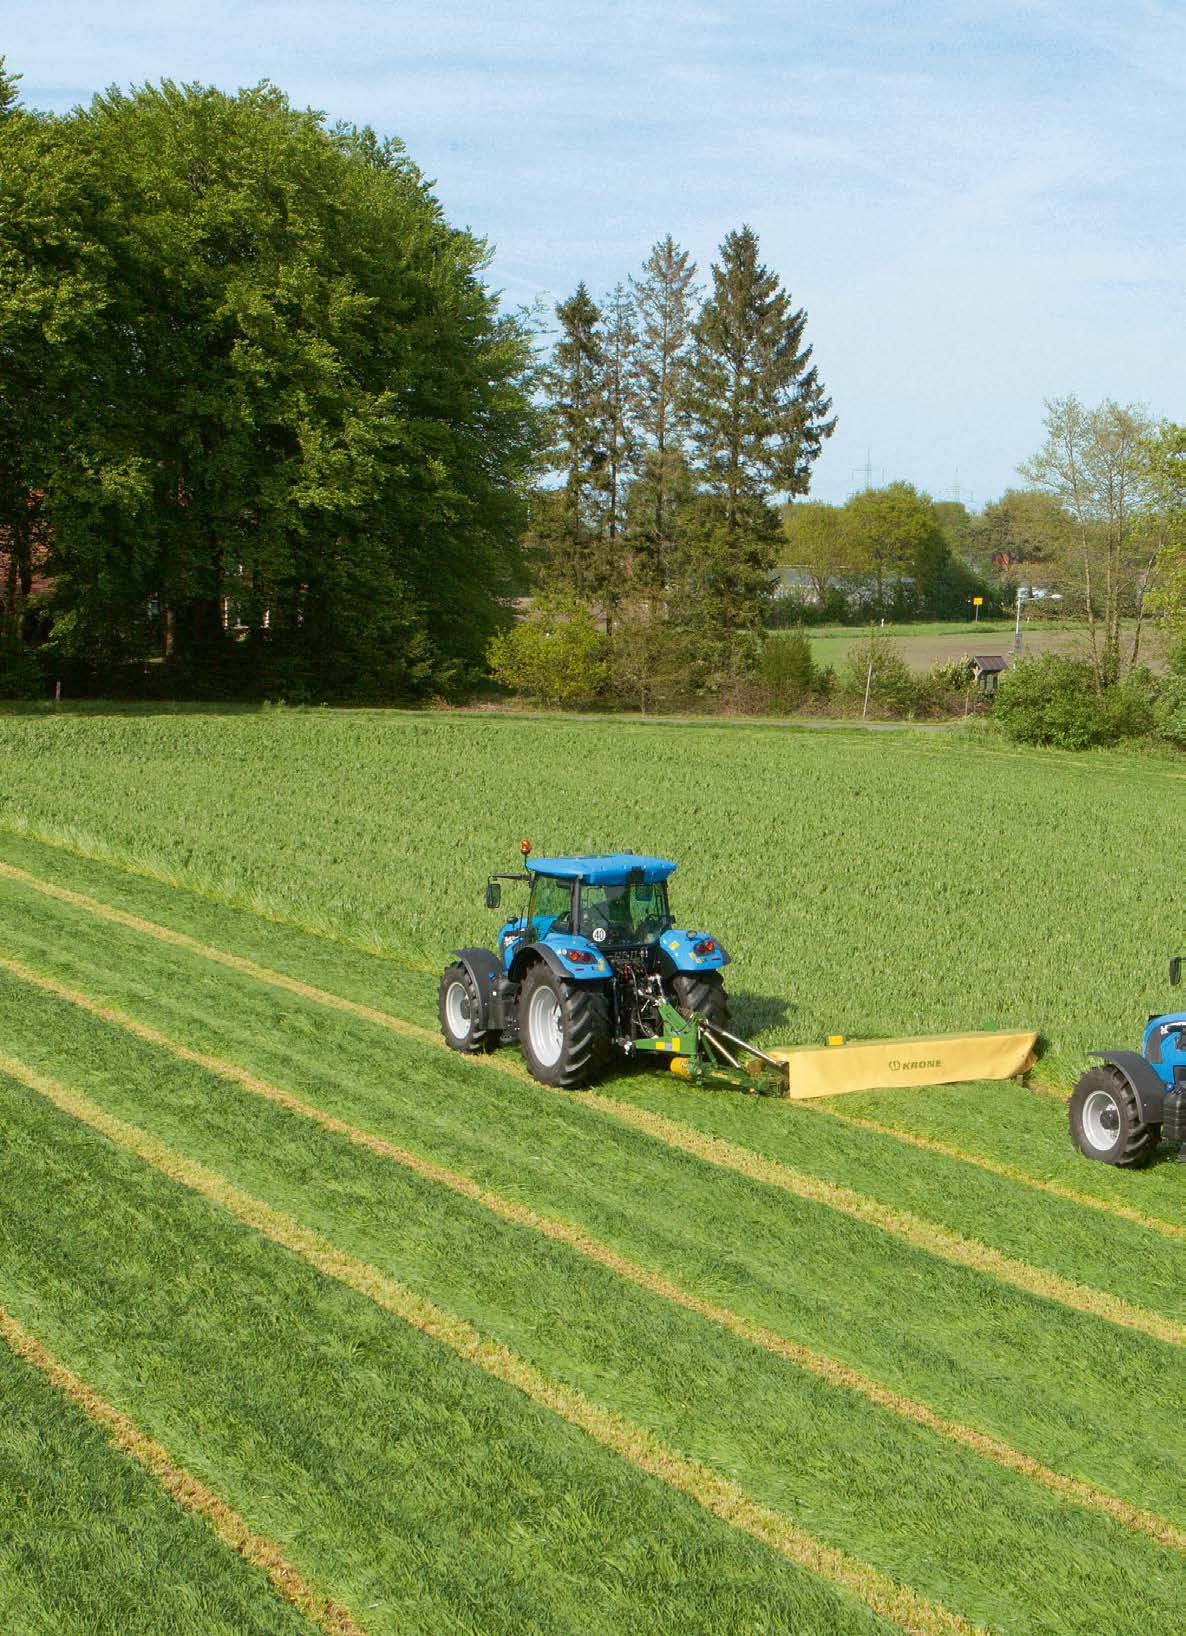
(303, 402)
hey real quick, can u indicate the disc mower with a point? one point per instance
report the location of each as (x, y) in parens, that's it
(1120, 1111)
(596, 968)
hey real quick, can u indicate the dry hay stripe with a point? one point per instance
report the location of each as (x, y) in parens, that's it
(903, 1224)
(191, 1495)
(995, 1167)
(820, 1364)
(714, 1493)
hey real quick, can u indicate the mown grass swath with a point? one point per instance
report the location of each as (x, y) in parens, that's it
(721, 1395)
(419, 1490)
(90, 1540)
(481, 1120)
(574, 1237)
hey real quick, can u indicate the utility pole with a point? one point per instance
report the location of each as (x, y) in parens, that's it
(1017, 623)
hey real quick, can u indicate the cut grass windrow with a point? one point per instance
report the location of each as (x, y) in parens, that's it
(716, 1494)
(187, 1491)
(995, 1167)
(902, 1224)
(821, 1364)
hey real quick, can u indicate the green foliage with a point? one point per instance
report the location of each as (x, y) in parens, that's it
(555, 654)
(1051, 699)
(898, 539)
(787, 671)
(649, 665)
(1169, 710)
(20, 673)
(874, 667)
(268, 371)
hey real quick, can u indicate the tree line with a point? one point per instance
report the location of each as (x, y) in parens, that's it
(677, 418)
(263, 428)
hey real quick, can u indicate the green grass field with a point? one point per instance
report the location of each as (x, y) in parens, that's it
(478, 1356)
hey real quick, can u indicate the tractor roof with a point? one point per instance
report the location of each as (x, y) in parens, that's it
(606, 869)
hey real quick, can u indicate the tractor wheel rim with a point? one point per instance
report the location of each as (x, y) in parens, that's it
(545, 1027)
(457, 1009)
(1101, 1121)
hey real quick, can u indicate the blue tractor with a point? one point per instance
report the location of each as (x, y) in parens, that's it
(594, 967)
(1120, 1111)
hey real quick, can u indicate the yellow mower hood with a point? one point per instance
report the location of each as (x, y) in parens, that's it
(868, 1065)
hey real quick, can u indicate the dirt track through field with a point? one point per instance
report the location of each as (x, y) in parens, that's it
(716, 1494)
(191, 1495)
(825, 1367)
(914, 1230)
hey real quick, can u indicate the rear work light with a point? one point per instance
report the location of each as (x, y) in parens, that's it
(579, 957)
(706, 945)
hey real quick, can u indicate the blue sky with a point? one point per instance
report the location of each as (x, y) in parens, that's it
(979, 205)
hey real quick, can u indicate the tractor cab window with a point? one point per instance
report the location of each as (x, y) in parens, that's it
(550, 909)
(624, 916)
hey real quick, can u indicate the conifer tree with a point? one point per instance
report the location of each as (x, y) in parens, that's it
(759, 415)
(663, 298)
(575, 383)
(620, 397)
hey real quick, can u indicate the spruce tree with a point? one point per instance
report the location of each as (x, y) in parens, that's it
(619, 394)
(759, 415)
(663, 298)
(575, 383)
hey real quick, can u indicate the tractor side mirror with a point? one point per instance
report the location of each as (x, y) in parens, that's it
(1175, 971)
(493, 894)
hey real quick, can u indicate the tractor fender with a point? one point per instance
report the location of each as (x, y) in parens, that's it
(677, 952)
(1146, 1086)
(482, 966)
(596, 972)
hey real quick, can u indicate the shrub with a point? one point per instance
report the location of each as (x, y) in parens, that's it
(876, 661)
(556, 654)
(1169, 711)
(1051, 699)
(20, 674)
(786, 670)
(648, 662)
(1131, 704)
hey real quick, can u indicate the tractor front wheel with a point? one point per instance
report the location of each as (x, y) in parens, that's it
(1106, 1122)
(702, 992)
(564, 1027)
(460, 1010)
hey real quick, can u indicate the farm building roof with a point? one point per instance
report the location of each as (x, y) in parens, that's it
(603, 869)
(989, 661)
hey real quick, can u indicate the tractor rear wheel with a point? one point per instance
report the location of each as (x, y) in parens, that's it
(1106, 1122)
(460, 1010)
(564, 1027)
(702, 992)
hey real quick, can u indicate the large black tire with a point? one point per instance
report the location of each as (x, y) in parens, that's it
(459, 1009)
(1106, 1121)
(700, 991)
(565, 1028)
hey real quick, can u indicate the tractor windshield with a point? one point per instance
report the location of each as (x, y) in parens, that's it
(550, 909)
(624, 916)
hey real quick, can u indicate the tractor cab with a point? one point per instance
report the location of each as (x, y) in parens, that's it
(588, 907)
